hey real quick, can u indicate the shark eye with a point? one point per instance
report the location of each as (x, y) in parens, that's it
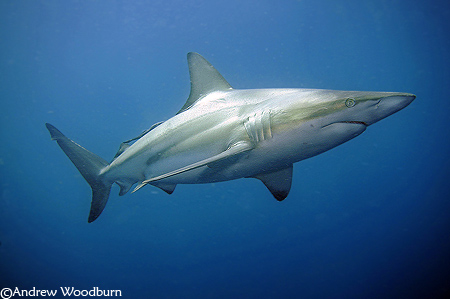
(350, 102)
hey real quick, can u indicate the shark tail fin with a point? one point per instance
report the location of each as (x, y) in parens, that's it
(89, 165)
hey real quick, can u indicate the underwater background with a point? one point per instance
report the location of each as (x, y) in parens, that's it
(368, 219)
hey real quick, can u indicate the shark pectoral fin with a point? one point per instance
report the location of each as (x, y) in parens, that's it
(235, 149)
(278, 182)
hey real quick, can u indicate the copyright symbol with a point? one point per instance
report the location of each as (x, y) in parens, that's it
(6, 293)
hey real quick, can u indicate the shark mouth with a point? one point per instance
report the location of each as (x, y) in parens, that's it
(354, 122)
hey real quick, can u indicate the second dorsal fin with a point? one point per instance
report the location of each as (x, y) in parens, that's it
(204, 79)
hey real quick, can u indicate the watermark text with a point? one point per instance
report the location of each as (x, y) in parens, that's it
(7, 293)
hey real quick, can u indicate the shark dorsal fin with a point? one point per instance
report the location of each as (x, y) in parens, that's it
(204, 79)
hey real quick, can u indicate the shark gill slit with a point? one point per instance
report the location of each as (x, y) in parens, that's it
(258, 126)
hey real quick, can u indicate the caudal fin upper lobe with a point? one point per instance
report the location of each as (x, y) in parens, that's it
(90, 166)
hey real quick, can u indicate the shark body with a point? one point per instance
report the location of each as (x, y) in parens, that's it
(222, 134)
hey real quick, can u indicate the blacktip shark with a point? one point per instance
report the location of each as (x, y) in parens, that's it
(223, 134)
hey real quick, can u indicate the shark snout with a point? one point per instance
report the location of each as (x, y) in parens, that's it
(389, 105)
(396, 102)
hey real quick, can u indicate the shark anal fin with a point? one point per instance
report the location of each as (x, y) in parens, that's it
(124, 187)
(278, 182)
(233, 150)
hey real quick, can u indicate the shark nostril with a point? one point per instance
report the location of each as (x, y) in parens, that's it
(377, 105)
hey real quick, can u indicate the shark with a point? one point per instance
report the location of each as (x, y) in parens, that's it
(222, 134)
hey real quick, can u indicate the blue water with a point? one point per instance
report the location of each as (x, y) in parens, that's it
(368, 219)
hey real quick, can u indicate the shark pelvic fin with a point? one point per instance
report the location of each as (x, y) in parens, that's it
(89, 165)
(204, 80)
(233, 150)
(278, 182)
(168, 188)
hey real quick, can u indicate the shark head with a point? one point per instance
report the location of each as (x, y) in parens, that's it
(321, 108)
(350, 113)
(319, 120)
(365, 108)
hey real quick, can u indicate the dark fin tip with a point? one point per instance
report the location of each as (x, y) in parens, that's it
(280, 196)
